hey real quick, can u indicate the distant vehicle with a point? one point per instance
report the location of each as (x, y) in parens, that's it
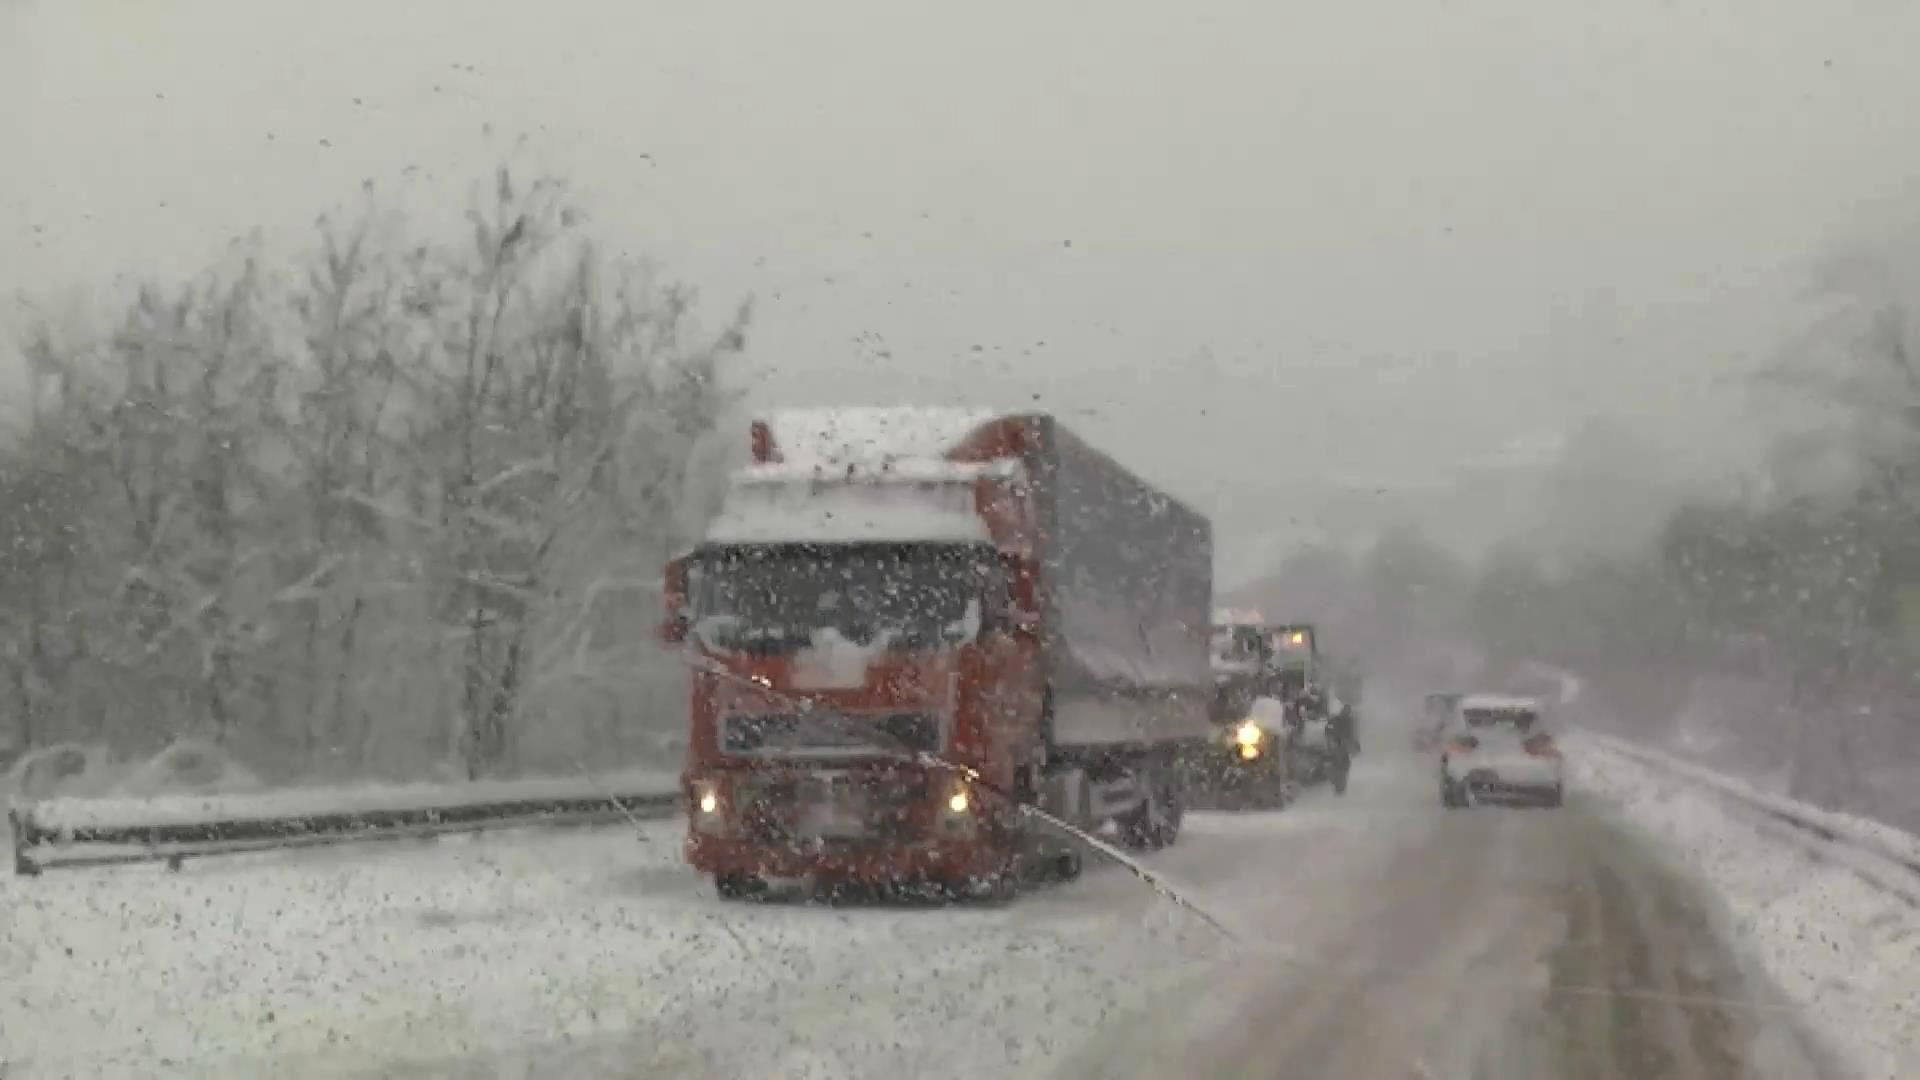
(1247, 762)
(1433, 719)
(1495, 748)
(1241, 661)
(1251, 759)
(1278, 668)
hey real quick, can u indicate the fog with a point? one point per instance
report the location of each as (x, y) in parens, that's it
(1322, 268)
(368, 375)
(1416, 302)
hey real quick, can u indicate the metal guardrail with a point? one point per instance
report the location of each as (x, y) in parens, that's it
(1893, 871)
(44, 845)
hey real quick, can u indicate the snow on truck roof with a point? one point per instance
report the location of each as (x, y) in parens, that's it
(866, 434)
(782, 503)
(891, 471)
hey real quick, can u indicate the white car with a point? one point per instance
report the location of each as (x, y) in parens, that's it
(1496, 748)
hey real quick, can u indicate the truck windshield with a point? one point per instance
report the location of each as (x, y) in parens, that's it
(1237, 646)
(775, 597)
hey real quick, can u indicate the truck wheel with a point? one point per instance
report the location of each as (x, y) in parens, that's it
(1000, 889)
(1174, 811)
(738, 886)
(1156, 824)
(1066, 866)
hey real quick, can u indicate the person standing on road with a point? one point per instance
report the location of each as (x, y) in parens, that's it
(1341, 726)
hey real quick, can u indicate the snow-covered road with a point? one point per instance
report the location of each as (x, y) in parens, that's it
(1380, 937)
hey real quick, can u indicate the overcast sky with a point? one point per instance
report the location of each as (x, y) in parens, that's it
(1312, 265)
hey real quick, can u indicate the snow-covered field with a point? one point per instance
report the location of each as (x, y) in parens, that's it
(472, 954)
(1845, 951)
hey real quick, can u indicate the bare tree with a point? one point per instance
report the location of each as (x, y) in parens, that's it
(384, 505)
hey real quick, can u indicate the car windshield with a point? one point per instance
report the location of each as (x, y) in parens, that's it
(779, 597)
(1515, 718)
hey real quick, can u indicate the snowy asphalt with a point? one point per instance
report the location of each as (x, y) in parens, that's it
(1378, 936)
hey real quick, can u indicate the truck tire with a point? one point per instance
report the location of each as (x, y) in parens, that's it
(1175, 806)
(1156, 824)
(997, 888)
(1066, 866)
(738, 886)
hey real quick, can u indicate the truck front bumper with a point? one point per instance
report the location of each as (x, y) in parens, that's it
(929, 860)
(1230, 765)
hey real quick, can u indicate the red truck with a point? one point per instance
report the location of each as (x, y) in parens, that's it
(906, 622)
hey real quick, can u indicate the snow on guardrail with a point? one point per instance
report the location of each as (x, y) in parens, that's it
(1814, 897)
(95, 831)
(1886, 856)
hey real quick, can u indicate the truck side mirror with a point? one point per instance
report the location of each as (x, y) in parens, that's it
(672, 630)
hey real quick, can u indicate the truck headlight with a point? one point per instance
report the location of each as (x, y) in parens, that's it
(707, 817)
(1249, 734)
(956, 807)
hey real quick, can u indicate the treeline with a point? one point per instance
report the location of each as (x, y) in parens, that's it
(1785, 633)
(394, 506)
(1783, 624)
(1778, 626)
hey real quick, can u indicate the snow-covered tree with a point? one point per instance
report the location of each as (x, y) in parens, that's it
(395, 504)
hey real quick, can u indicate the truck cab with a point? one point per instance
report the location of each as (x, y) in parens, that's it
(1241, 659)
(848, 629)
(906, 628)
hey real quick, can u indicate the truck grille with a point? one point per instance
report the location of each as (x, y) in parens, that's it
(867, 808)
(827, 734)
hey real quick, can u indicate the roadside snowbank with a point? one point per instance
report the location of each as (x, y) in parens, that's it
(1875, 836)
(1845, 951)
